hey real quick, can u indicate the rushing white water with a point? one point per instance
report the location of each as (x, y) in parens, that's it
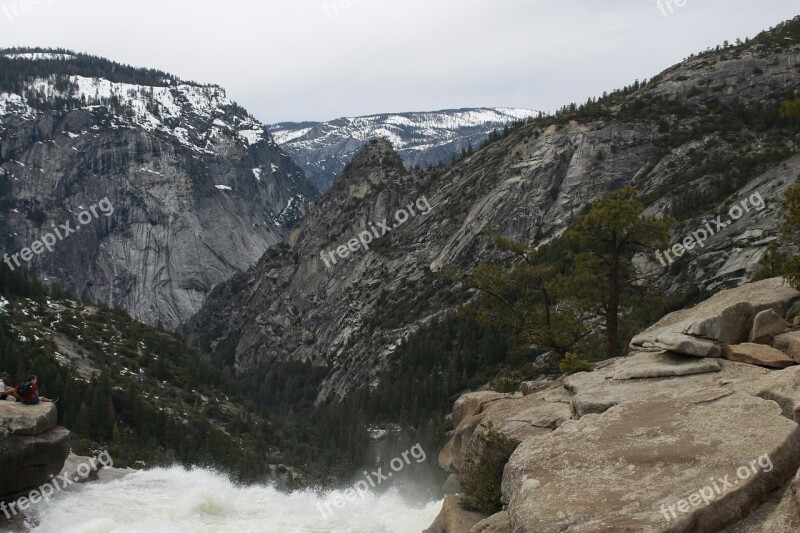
(178, 500)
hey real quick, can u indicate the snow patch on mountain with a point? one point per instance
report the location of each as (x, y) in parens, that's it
(35, 56)
(200, 117)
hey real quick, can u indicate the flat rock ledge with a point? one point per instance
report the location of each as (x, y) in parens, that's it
(758, 354)
(633, 467)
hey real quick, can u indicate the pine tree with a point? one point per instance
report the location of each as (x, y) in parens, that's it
(791, 223)
(609, 235)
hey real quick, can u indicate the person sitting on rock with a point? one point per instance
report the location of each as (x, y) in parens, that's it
(6, 391)
(29, 392)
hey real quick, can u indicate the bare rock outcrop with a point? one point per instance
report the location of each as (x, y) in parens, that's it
(514, 415)
(454, 519)
(766, 325)
(789, 343)
(664, 365)
(725, 318)
(656, 441)
(631, 468)
(32, 447)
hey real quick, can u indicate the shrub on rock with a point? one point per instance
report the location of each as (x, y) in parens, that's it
(571, 364)
(482, 475)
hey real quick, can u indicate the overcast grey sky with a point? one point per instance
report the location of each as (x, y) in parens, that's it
(320, 59)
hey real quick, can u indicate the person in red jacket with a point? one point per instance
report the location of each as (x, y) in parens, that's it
(29, 392)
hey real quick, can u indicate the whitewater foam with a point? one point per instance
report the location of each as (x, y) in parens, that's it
(179, 500)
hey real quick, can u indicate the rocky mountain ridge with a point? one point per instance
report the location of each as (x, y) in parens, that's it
(198, 187)
(323, 149)
(694, 140)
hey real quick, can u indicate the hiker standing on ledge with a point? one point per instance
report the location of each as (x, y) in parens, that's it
(29, 392)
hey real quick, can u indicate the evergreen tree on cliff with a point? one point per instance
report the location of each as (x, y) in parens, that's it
(791, 205)
(608, 236)
(791, 230)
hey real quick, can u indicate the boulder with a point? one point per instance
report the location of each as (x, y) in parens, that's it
(466, 416)
(793, 312)
(641, 465)
(452, 455)
(497, 523)
(766, 325)
(530, 387)
(758, 354)
(663, 365)
(783, 388)
(515, 416)
(788, 343)
(684, 344)
(725, 318)
(74, 470)
(32, 448)
(471, 403)
(453, 519)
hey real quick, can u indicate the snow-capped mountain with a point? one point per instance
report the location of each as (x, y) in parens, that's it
(200, 188)
(167, 109)
(324, 148)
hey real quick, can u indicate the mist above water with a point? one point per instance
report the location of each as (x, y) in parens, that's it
(179, 500)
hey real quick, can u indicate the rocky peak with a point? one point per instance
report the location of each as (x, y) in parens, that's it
(375, 167)
(377, 154)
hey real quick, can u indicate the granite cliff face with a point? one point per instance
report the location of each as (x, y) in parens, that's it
(199, 189)
(695, 140)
